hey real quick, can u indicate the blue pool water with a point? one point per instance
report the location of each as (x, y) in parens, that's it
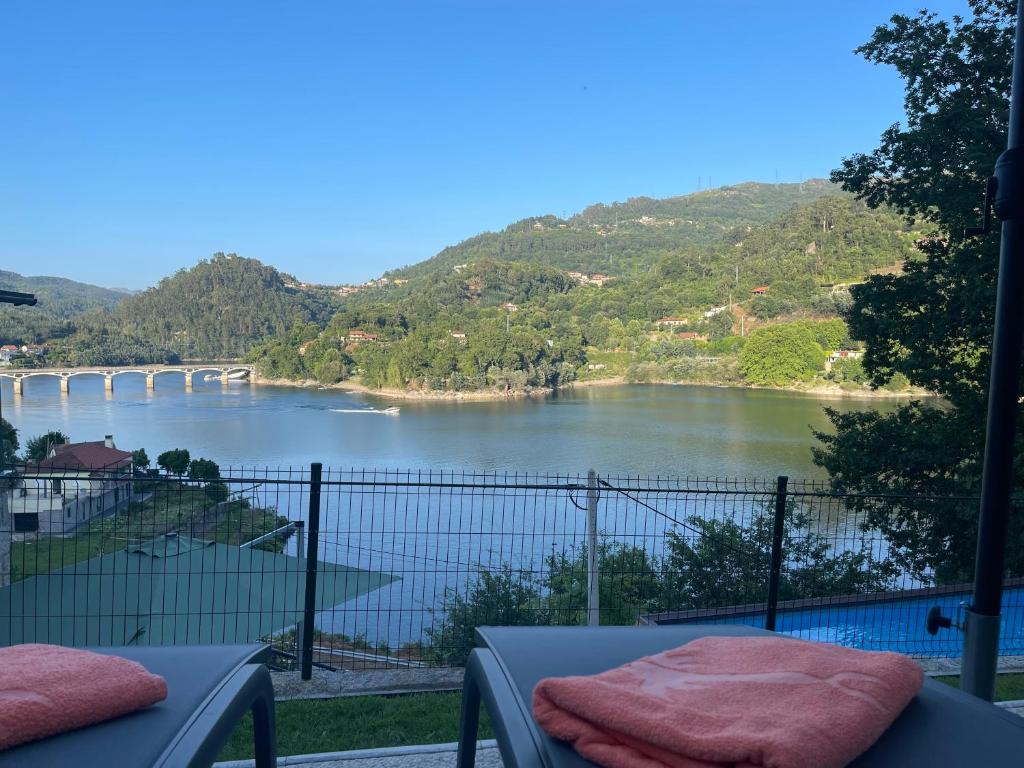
(897, 625)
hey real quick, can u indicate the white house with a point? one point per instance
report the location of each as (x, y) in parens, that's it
(74, 484)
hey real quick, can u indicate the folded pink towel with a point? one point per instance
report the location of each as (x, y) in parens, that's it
(724, 701)
(47, 689)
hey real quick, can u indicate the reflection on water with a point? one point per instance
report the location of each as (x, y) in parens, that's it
(693, 431)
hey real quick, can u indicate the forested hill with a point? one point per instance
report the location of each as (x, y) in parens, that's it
(219, 308)
(60, 301)
(627, 238)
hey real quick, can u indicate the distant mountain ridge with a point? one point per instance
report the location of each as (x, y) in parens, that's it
(62, 297)
(60, 302)
(623, 239)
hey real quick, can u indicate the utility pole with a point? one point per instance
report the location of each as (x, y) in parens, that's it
(1006, 192)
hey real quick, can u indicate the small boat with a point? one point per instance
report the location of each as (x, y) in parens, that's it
(211, 377)
(238, 375)
(392, 410)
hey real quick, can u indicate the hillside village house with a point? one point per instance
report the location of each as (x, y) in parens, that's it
(357, 335)
(691, 336)
(508, 306)
(760, 290)
(8, 352)
(74, 484)
(671, 322)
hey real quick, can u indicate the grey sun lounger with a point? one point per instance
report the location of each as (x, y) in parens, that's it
(209, 689)
(941, 728)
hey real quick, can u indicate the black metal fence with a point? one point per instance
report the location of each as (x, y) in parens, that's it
(390, 568)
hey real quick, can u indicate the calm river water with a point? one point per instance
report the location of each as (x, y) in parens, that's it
(434, 540)
(689, 431)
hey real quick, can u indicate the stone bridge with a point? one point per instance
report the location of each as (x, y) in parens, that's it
(225, 371)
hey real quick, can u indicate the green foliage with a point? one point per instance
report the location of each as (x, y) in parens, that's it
(60, 302)
(848, 369)
(175, 461)
(768, 306)
(931, 326)
(37, 447)
(724, 563)
(728, 564)
(140, 459)
(93, 344)
(780, 355)
(504, 597)
(203, 469)
(220, 308)
(8, 443)
(612, 239)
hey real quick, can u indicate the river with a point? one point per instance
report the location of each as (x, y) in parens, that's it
(649, 430)
(434, 540)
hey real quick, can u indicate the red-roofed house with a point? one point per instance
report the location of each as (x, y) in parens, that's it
(760, 290)
(75, 483)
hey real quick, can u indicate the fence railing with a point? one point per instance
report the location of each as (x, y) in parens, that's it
(392, 568)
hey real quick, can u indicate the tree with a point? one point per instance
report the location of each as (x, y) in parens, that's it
(140, 460)
(933, 323)
(504, 597)
(8, 443)
(203, 469)
(781, 354)
(726, 563)
(175, 462)
(36, 448)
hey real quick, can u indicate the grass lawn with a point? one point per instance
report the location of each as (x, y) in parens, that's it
(1009, 687)
(360, 722)
(169, 509)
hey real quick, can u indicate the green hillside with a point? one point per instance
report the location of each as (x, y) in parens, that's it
(219, 308)
(60, 301)
(627, 238)
(447, 329)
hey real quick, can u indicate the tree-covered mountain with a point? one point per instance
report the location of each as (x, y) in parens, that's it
(60, 301)
(515, 324)
(627, 238)
(218, 309)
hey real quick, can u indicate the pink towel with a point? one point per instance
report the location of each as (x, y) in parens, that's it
(47, 689)
(724, 701)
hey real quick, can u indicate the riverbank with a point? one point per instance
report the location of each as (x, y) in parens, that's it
(818, 389)
(350, 385)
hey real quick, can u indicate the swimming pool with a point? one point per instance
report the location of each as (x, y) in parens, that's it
(887, 624)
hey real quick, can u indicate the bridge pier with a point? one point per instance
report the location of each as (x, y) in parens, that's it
(224, 377)
(108, 382)
(150, 382)
(188, 381)
(17, 386)
(65, 384)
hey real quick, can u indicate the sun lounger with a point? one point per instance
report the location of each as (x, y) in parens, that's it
(941, 727)
(209, 689)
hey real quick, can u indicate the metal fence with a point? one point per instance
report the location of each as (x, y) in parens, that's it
(390, 568)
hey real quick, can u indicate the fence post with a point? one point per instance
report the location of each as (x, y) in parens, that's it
(300, 566)
(315, 471)
(775, 572)
(593, 589)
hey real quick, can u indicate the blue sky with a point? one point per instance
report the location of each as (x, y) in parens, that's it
(337, 140)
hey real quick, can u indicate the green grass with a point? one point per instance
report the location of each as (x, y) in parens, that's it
(363, 722)
(174, 508)
(360, 722)
(1009, 687)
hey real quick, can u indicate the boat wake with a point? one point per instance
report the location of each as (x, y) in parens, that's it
(392, 411)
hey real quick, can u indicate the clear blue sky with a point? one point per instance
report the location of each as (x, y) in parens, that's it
(336, 140)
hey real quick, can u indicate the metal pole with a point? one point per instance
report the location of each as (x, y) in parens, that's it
(315, 471)
(300, 567)
(593, 577)
(775, 571)
(981, 628)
